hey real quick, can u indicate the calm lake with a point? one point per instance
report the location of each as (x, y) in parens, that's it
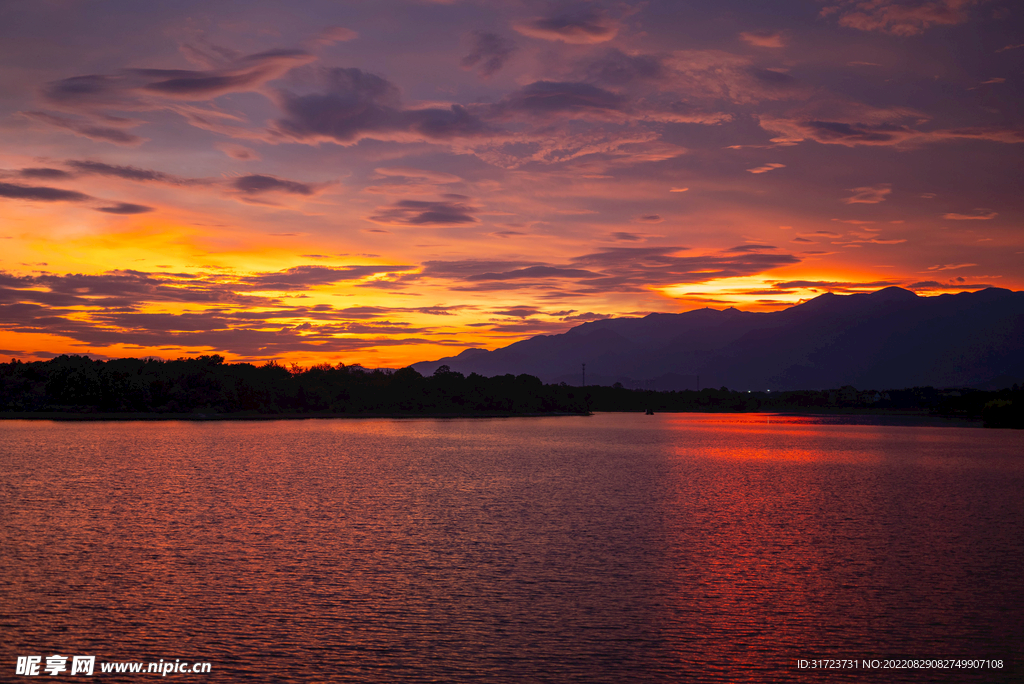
(610, 548)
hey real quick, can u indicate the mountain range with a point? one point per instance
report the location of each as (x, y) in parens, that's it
(886, 339)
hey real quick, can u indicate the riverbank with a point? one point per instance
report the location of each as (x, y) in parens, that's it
(256, 416)
(842, 416)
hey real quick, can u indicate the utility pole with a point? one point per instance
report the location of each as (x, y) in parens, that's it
(584, 375)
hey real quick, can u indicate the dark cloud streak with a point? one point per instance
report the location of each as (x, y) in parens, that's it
(621, 269)
(44, 173)
(257, 184)
(420, 213)
(304, 277)
(38, 193)
(126, 208)
(131, 173)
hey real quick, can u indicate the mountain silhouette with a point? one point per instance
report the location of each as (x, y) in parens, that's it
(886, 339)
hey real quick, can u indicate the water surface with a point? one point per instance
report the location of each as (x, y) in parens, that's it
(610, 548)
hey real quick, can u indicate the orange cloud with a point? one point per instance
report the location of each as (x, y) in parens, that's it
(869, 195)
(765, 39)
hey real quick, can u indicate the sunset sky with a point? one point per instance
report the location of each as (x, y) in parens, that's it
(395, 181)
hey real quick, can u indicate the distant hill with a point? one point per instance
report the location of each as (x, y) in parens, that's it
(886, 339)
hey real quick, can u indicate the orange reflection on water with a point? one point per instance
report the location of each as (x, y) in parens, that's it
(772, 437)
(793, 539)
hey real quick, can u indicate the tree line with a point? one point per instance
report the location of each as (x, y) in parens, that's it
(207, 385)
(210, 387)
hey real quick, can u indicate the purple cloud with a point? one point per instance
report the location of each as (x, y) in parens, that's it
(621, 269)
(87, 129)
(258, 184)
(44, 173)
(587, 25)
(360, 105)
(304, 277)
(547, 97)
(418, 213)
(874, 194)
(535, 272)
(616, 68)
(131, 173)
(899, 18)
(126, 208)
(37, 193)
(245, 74)
(490, 51)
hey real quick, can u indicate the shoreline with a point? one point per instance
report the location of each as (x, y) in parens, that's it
(71, 417)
